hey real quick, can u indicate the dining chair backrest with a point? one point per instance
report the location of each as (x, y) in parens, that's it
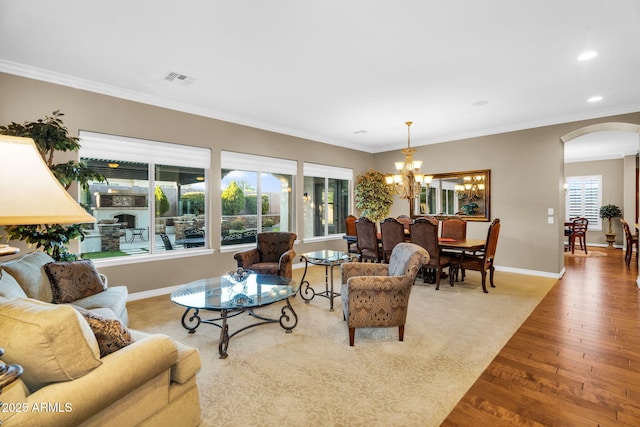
(627, 230)
(424, 233)
(350, 222)
(405, 220)
(392, 232)
(579, 226)
(367, 234)
(492, 242)
(454, 228)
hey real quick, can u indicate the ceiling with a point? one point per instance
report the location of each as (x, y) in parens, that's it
(348, 73)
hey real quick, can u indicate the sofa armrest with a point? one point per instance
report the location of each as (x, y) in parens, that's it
(120, 373)
(246, 259)
(105, 280)
(352, 269)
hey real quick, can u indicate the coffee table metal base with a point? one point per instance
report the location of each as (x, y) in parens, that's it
(288, 320)
(307, 293)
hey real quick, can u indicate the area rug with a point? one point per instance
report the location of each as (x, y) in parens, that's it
(312, 377)
(580, 253)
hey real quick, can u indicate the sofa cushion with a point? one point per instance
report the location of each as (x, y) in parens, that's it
(29, 273)
(73, 280)
(9, 288)
(51, 342)
(110, 333)
(114, 298)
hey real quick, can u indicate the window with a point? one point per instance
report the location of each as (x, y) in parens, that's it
(154, 201)
(256, 196)
(584, 198)
(326, 199)
(439, 198)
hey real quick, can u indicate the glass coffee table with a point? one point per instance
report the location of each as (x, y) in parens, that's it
(329, 259)
(232, 295)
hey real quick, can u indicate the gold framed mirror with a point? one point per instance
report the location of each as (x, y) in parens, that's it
(466, 194)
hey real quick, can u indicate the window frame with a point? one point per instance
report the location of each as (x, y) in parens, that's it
(230, 160)
(579, 184)
(326, 172)
(152, 153)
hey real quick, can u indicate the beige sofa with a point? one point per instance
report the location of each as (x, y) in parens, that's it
(151, 381)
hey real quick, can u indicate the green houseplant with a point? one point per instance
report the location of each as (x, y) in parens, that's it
(373, 197)
(609, 212)
(50, 135)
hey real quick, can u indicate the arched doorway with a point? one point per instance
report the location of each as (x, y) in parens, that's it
(600, 146)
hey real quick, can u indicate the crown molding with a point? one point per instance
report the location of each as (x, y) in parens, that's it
(135, 96)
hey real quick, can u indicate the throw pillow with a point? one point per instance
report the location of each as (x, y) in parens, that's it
(9, 288)
(111, 334)
(51, 342)
(29, 273)
(73, 280)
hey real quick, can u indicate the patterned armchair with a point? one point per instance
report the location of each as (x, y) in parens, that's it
(377, 295)
(274, 254)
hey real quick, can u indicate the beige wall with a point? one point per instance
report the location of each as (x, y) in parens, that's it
(527, 177)
(613, 173)
(527, 172)
(25, 99)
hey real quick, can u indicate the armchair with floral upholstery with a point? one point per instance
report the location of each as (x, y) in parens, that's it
(377, 295)
(273, 255)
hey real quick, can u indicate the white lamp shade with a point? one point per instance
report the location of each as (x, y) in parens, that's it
(29, 192)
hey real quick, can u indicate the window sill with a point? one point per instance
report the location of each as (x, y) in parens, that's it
(136, 259)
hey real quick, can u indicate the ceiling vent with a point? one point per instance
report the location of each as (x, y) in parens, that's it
(179, 78)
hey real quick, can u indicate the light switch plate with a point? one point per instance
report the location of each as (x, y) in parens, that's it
(550, 219)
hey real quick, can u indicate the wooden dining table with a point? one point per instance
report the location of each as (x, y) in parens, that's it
(466, 245)
(463, 245)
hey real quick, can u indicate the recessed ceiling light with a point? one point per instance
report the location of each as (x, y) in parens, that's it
(595, 98)
(360, 131)
(480, 103)
(585, 56)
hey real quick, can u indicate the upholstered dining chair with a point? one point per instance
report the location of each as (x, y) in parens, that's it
(367, 234)
(405, 220)
(273, 255)
(424, 233)
(454, 228)
(483, 261)
(392, 233)
(631, 239)
(350, 222)
(578, 230)
(377, 295)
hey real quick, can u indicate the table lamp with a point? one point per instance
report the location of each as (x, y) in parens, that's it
(30, 194)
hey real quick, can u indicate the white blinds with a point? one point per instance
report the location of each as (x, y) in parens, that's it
(584, 198)
(250, 162)
(316, 170)
(111, 147)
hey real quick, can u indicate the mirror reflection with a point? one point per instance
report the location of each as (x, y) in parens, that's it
(464, 194)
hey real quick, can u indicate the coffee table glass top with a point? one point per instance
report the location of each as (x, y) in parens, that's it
(327, 257)
(227, 293)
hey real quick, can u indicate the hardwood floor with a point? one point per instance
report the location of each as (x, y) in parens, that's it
(574, 362)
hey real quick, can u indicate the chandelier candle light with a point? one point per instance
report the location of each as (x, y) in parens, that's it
(407, 181)
(472, 187)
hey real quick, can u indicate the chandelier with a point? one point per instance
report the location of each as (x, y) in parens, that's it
(472, 188)
(407, 181)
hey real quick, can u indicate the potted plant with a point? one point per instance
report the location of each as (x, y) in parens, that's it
(608, 212)
(50, 135)
(373, 197)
